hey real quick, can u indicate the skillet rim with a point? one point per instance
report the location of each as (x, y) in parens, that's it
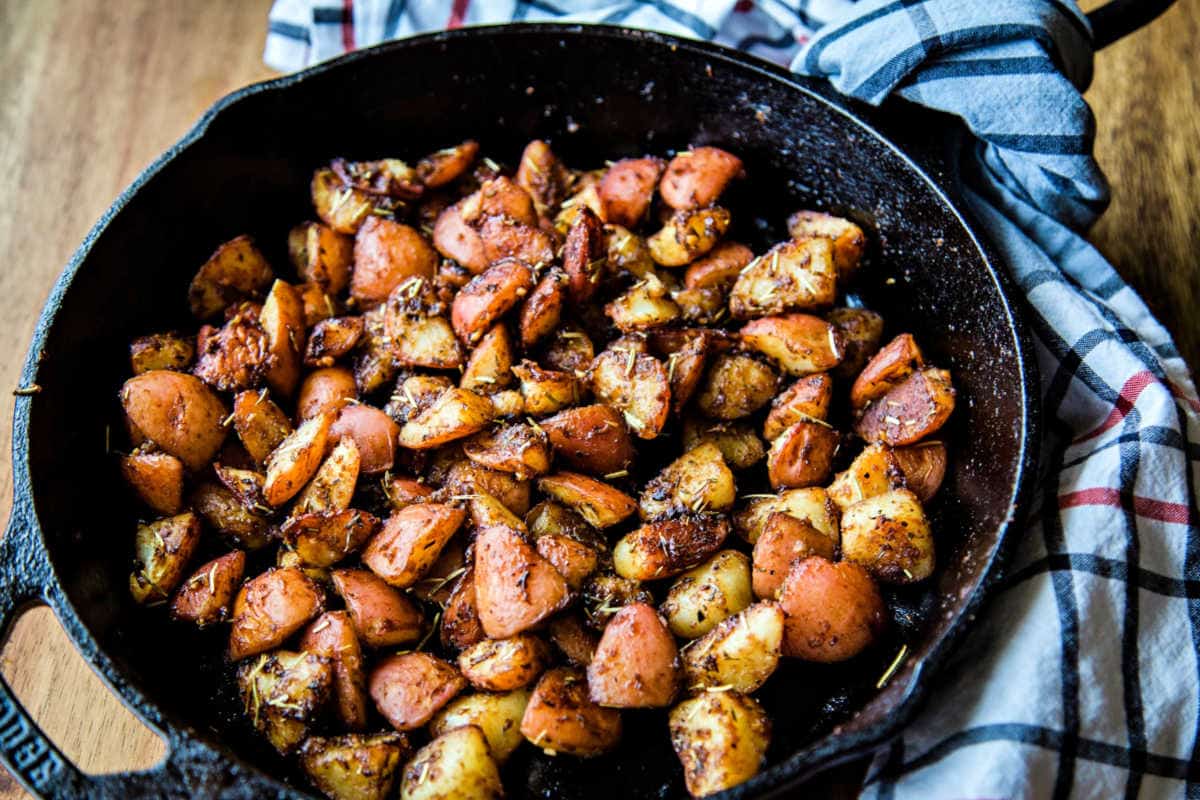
(829, 750)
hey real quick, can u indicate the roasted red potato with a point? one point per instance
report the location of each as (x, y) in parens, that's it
(260, 424)
(517, 448)
(584, 255)
(282, 320)
(573, 639)
(332, 636)
(644, 306)
(562, 719)
(162, 550)
(282, 693)
(800, 344)
(627, 188)
(343, 208)
(847, 239)
(489, 296)
(911, 411)
(236, 271)
(737, 442)
(157, 478)
(409, 689)
(591, 438)
(296, 460)
(721, 739)
(713, 591)
(802, 455)
(635, 384)
(874, 471)
(456, 414)
(696, 178)
(924, 467)
(455, 766)
(323, 538)
(636, 664)
(807, 398)
(161, 351)
(790, 276)
(325, 390)
(498, 716)
(356, 766)
(597, 502)
(382, 616)
(229, 516)
(515, 588)
(466, 478)
(720, 268)
(784, 540)
(440, 168)
(736, 386)
(545, 391)
(738, 654)
(886, 370)
(332, 339)
(890, 535)
(321, 255)
(543, 176)
(270, 608)
(410, 541)
(178, 413)
(696, 482)
(237, 355)
(460, 618)
(386, 255)
(489, 366)
(667, 547)
(332, 487)
(373, 433)
(457, 240)
(501, 665)
(204, 598)
(687, 235)
(542, 310)
(861, 330)
(833, 610)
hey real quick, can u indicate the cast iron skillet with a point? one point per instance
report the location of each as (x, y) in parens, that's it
(596, 92)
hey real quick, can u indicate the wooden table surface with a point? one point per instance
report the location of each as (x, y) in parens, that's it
(92, 92)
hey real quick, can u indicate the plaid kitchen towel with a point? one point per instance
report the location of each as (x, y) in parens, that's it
(1082, 677)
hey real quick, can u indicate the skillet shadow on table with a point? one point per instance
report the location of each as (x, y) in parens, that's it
(249, 173)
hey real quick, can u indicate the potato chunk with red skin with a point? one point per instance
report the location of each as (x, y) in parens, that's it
(382, 616)
(410, 542)
(833, 610)
(297, 458)
(720, 268)
(847, 239)
(597, 502)
(687, 235)
(260, 424)
(282, 320)
(736, 386)
(890, 535)
(807, 398)
(515, 588)
(501, 665)
(791, 276)
(409, 689)
(373, 433)
(332, 636)
(591, 438)
(560, 717)
(488, 297)
(460, 620)
(665, 548)
(696, 178)
(918, 407)
(457, 240)
(637, 663)
(801, 344)
(721, 739)
(386, 254)
(237, 271)
(636, 385)
(332, 487)
(456, 414)
(440, 168)
(332, 339)
(326, 389)
(627, 188)
(584, 256)
(543, 309)
(739, 653)
(282, 693)
(321, 255)
(489, 366)
(354, 767)
(924, 467)
(784, 540)
(177, 412)
(157, 478)
(162, 550)
(802, 455)
(516, 448)
(887, 369)
(204, 598)
(323, 538)
(235, 356)
(270, 608)
(543, 176)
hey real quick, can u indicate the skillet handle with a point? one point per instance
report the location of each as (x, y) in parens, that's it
(191, 768)
(1119, 18)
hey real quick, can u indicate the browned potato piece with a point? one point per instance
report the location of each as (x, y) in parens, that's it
(874, 471)
(270, 608)
(387, 254)
(245, 484)
(325, 390)
(738, 654)
(721, 739)
(499, 196)
(236, 271)
(332, 488)
(157, 478)
(720, 268)
(861, 330)
(410, 542)
(807, 398)
(627, 252)
(204, 598)
(332, 339)
(508, 403)
(668, 547)
(296, 460)
(736, 386)
(543, 176)
(834, 610)
(354, 767)
(573, 639)
(489, 367)
(802, 455)
(404, 492)
(414, 394)
(341, 207)
(847, 238)
(627, 188)
(421, 340)
(501, 665)
(438, 169)
(177, 412)
(161, 351)
(455, 766)
(695, 178)
(321, 255)
(223, 511)
(460, 619)
(333, 636)
(889, 534)
(234, 356)
(373, 433)
(799, 343)
(549, 517)
(700, 306)
(636, 385)
(561, 718)
(739, 444)
(636, 664)
(282, 693)
(515, 448)
(515, 588)
(913, 410)
(457, 240)
(162, 550)
(542, 310)
(498, 716)
(790, 276)
(376, 359)
(487, 510)
(260, 424)
(410, 688)
(713, 591)
(573, 559)
(585, 196)
(488, 297)
(784, 540)
(697, 481)
(645, 305)
(382, 616)
(546, 391)
(466, 477)
(811, 504)
(503, 238)
(686, 351)
(584, 255)
(456, 414)
(597, 502)
(886, 370)
(592, 438)
(687, 235)
(924, 467)
(318, 304)
(323, 538)
(282, 320)
(606, 594)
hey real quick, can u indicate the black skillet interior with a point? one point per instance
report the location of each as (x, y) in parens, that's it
(595, 93)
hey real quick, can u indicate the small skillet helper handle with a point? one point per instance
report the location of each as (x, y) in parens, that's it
(1119, 18)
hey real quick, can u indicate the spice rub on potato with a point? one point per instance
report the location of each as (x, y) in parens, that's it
(460, 473)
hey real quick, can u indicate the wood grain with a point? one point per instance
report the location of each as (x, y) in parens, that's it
(93, 91)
